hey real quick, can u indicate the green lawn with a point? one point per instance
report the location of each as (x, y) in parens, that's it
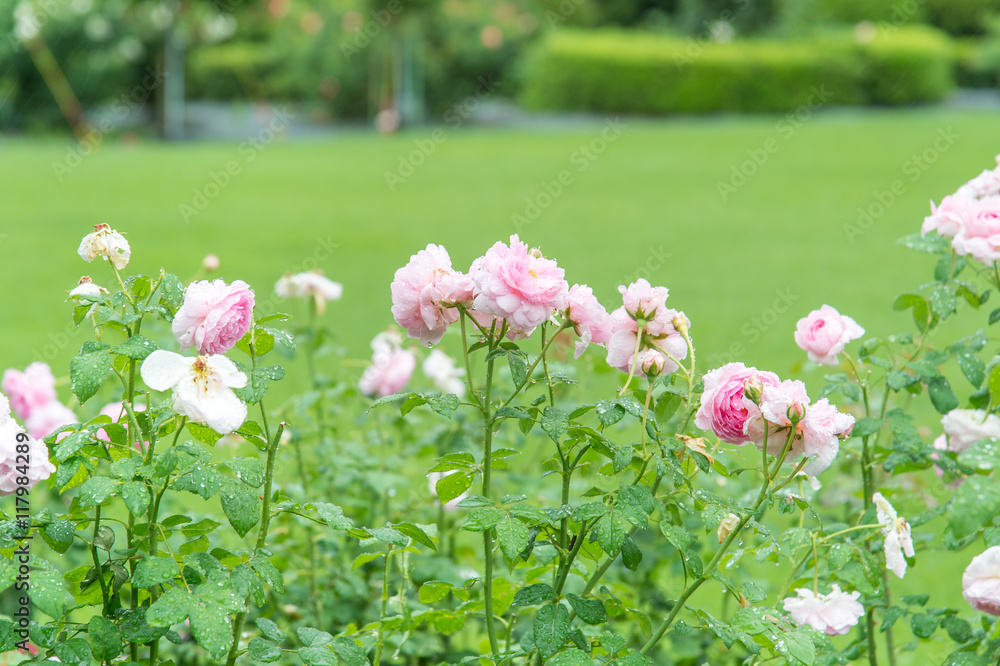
(744, 269)
(649, 205)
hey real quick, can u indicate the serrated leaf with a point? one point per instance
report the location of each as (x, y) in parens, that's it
(416, 533)
(154, 571)
(105, 639)
(201, 479)
(513, 536)
(333, 516)
(432, 591)
(137, 348)
(241, 506)
(452, 485)
(98, 490)
(591, 611)
(551, 628)
(248, 470)
(87, 372)
(529, 595)
(555, 423)
(263, 650)
(270, 629)
(611, 531)
(609, 412)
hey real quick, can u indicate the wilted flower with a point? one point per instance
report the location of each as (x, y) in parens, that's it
(727, 525)
(11, 435)
(823, 334)
(833, 613)
(441, 369)
(202, 386)
(311, 284)
(896, 532)
(391, 368)
(29, 390)
(981, 581)
(214, 316)
(518, 285)
(105, 242)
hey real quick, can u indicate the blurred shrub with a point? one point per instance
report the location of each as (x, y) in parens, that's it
(978, 60)
(896, 12)
(962, 17)
(618, 72)
(909, 65)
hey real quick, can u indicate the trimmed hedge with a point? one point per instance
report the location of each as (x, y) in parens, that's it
(630, 73)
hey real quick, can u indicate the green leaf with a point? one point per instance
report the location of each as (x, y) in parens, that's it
(959, 630)
(555, 423)
(263, 650)
(71, 444)
(975, 503)
(631, 555)
(572, 657)
(611, 531)
(924, 625)
(973, 368)
(137, 348)
(48, 592)
(609, 412)
(201, 480)
(105, 638)
(591, 611)
(800, 647)
(388, 535)
(529, 595)
(931, 243)
(203, 433)
(313, 637)
(98, 490)
(518, 364)
(513, 537)
(678, 537)
(994, 316)
(154, 571)
(59, 534)
(270, 629)
(333, 516)
(452, 485)
(241, 506)
(432, 591)
(943, 300)
(484, 518)
(87, 372)
(994, 385)
(73, 651)
(248, 470)
(415, 533)
(865, 427)
(350, 652)
(444, 404)
(551, 627)
(212, 628)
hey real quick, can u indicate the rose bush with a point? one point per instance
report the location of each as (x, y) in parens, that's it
(494, 500)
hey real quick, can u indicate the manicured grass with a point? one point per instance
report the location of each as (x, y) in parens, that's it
(649, 205)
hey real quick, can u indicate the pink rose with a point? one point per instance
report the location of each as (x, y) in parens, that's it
(391, 368)
(833, 613)
(48, 418)
(39, 467)
(724, 410)
(981, 581)
(965, 427)
(948, 218)
(518, 285)
(590, 320)
(30, 389)
(425, 292)
(986, 184)
(214, 316)
(824, 333)
(980, 236)
(646, 304)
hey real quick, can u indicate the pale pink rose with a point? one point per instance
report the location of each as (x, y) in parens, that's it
(214, 316)
(39, 467)
(949, 217)
(965, 427)
(210, 263)
(986, 184)
(646, 305)
(518, 285)
(391, 368)
(48, 418)
(818, 430)
(981, 581)
(724, 409)
(980, 235)
(312, 284)
(652, 362)
(833, 614)
(589, 318)
(425, 292)
(824, 333)
(30, 389)
(896, 532)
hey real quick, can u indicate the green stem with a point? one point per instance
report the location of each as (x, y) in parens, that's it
(97, 561)
(320, 436)
(383, 606)
(531, 368)
(465, 354)
(488, 534)
(693, 587)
